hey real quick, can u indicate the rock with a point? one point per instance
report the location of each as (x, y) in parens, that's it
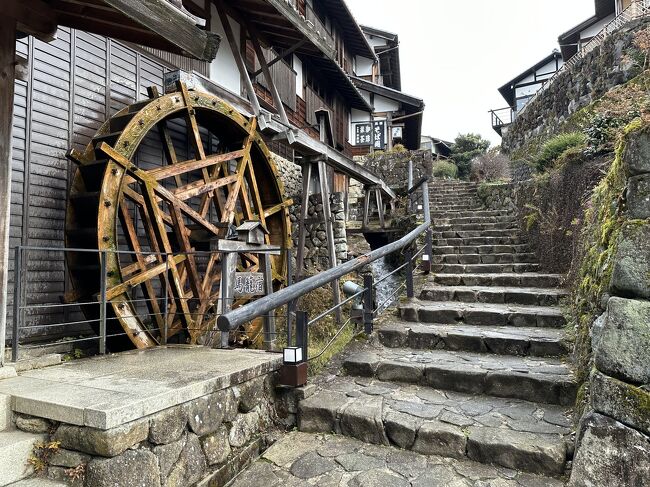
(243, 428)
(168, 425)
(251, 394)
(437, 438)
(68, 458)
(216, 446)
(396, 371)
(355, 462)
(168, 455)
(632, 262)
(362, 419)
(637, 152)
(378, 478)
(191, 464)
(58, 474)
(406, 463)
(638, 196)
(311, 465)
(621, 401)
(401, 429)
(206, 414)
(517, 450)
(621, 341)
(609, 453)
(335, 446)
(133, 468)
(440, 475)
(105, 443)
(257, 475)
(362, 364)
(31, 424)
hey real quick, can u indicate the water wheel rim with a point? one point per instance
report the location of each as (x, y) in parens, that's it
(118, 170)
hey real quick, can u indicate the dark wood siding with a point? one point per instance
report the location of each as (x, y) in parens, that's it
(74, 83)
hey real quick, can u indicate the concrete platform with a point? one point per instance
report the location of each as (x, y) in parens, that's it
(108, 391)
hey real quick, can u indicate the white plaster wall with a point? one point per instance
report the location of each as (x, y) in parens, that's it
(383, 104)
(363, 66)
(297, 67)
(356, 116)
(223, 70)
(596, 28)
(376, 41)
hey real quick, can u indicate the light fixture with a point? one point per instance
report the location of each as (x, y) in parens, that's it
(292, 355)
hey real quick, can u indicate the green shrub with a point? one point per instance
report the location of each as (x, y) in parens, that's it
(556, 146)
(445, 170)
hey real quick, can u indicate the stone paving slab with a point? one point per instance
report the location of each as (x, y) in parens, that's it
(540, 342)
(494, 294)
(493, 258)
(482, 314)
(481, 249)
(483, 268)
(304, 459)
(438, 422)
(105, 392)
(546, 380)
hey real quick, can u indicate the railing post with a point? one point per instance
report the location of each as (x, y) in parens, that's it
(410, 185)
(427, 258)
(102, 303)
(18, 281)
(302, 333)
(290, 304)
(410, 293)
(368, 312)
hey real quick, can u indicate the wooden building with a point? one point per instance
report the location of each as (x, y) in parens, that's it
(281, 61)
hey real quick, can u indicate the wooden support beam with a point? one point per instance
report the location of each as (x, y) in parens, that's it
(329, 230)
(279, 106)
(380, 208)
(283, 55)
(33, 17)
(302, 230)
(7, 76)
(239, 60)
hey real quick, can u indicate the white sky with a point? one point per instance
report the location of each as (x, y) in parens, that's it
(455, 54)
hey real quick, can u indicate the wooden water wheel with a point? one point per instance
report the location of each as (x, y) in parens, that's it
(159, 184)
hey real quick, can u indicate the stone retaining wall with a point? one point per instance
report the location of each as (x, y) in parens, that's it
(497, 196)
(613, 442)
(208, 440)
(609, 65)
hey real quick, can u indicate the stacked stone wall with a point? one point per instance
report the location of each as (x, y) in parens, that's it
(613, 441)
(208, 440)
(609, 65)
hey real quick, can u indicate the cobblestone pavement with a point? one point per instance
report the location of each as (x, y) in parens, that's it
(310, 459)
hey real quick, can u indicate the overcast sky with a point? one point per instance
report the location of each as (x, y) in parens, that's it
(455, 54)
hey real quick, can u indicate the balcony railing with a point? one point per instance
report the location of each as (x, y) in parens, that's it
(637, 10)
(502, 117)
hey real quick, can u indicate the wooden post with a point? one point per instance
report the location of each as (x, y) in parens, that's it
(269, 320)
(380, 207)
(7, 78)
(329, 230)
(228, 268)
(366, 207)
(302, 230)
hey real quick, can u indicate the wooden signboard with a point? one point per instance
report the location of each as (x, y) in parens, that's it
(249, 284)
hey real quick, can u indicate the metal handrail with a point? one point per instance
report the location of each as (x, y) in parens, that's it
(637, 9)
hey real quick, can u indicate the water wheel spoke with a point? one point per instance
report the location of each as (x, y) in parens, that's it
(186, 247)
(143, 276)
(185, 167)
(198, 188)
(134, 246)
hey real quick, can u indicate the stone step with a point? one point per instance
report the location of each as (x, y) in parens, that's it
(302, 459)
(5, 412)
(518, 435)
(483, 268)
(482, 314)
(15, 449)
(545, 380)
(506, 258)
(467, 241)
(475, 219)
(524, 279)
(534, 342)
(446, 234)
(494, 294)
(481, 249)
(456, 208)
(471, 214)
(463, 227)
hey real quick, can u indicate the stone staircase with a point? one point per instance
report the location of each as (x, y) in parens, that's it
(473, 369)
